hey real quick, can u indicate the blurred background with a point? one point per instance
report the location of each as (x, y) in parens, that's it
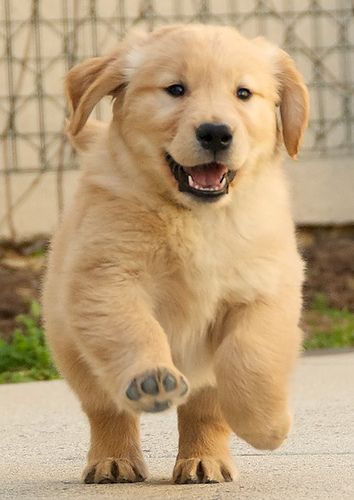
(41, 39)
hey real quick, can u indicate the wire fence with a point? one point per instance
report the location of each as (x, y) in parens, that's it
(41, 39)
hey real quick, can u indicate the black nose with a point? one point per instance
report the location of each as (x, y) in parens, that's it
(214, 136)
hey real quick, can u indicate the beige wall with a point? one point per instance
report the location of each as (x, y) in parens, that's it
(37, 214)
(322, 190)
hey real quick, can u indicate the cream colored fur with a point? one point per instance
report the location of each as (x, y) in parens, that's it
(143, 279)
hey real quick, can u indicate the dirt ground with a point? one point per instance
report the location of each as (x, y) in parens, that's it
(21, 270)
(329, 256)
(330, 271)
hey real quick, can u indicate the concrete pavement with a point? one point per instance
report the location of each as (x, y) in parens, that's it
(44, 439)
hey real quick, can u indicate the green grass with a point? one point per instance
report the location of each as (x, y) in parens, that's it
(328, 328)
(26, 357)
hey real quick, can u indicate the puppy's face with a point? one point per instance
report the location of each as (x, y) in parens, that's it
(196, 106)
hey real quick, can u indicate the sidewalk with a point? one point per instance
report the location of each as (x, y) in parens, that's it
(44, 439)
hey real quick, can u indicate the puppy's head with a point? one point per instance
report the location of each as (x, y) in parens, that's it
(195, 106)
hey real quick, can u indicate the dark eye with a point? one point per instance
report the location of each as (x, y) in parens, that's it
(243, 93)
(176, 90)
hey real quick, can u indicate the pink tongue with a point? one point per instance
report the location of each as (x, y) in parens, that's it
(207, 175)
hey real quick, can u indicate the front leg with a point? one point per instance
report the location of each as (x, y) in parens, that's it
(253, 363)
(123, 344)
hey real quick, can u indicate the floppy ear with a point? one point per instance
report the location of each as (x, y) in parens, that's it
(294, 103)
(294, 97)
(87, 83)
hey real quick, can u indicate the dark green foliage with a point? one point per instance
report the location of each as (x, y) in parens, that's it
(27, 356)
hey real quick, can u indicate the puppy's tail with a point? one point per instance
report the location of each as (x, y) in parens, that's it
(87, 136)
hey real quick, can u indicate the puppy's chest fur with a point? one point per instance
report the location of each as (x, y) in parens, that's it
(206, 268)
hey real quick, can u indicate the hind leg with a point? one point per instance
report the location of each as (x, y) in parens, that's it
(115, 455)
(203, 455)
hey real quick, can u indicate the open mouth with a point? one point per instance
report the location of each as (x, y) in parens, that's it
(209, 181)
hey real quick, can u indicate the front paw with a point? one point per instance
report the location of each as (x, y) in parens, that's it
(157, 390)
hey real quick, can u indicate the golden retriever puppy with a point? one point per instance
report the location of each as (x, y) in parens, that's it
(174, 278)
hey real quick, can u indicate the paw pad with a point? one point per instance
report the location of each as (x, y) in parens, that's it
(156, 390)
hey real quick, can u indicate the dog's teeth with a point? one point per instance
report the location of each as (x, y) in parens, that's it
(195, 185)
